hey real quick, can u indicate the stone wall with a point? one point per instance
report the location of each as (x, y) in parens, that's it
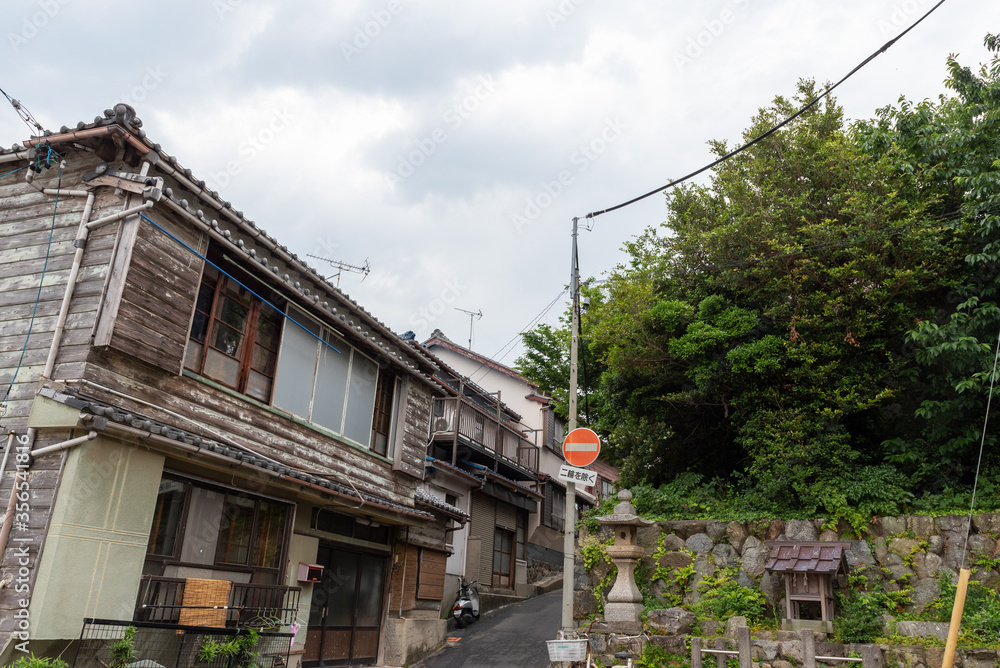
(910, 551)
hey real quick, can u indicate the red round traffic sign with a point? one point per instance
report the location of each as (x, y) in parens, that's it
(581, 447)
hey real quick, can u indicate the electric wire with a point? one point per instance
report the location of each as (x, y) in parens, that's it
(514, 339)
(773, 129)
(25, 115)
(237, 281)
(830, 245)
(982, 442)
(38, 295)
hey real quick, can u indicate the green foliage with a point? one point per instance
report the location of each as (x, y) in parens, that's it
(858, 617)
(123, 650)
(981, 615)
(810, 332)
(33, 661)
(723, 597)
(654, 656)
(239, 648)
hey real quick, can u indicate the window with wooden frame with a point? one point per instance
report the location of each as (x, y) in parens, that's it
(201, 525)
(384, 405)
(522, 534)
(554, 507)
(503, 557)
(234, 336)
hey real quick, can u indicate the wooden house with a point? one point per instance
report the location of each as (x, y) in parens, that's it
(530, 413)
(478, 458)
(202, 430)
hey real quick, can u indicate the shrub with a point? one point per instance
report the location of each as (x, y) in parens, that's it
(39, 662)
(723, 598)
(858, 617)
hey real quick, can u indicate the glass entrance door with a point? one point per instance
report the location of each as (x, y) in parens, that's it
(346, 610)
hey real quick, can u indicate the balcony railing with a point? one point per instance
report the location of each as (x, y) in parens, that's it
(155, 644)
(484, 431)
(161, 599)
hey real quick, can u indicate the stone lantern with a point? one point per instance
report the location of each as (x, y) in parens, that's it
(623, 612)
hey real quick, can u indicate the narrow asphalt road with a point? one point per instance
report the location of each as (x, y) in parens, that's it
(512, 636)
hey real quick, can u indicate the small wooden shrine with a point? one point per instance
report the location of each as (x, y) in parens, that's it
(809, 569)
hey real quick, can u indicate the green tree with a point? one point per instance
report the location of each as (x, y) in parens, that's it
(546, 361)
(759, 334)
(950, 145)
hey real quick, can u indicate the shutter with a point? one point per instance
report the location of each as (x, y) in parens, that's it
(550, 428)
(506, 516)
(432, 564)
(150, 297)
(483, 524)
(404, 577)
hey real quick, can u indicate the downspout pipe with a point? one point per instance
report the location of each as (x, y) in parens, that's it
(8, 520)
(81, 243)
(62, 192)
(65, 445)
(13, 157)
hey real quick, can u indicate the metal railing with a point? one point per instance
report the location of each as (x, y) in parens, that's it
(106, 642)
(486, 431)
(161, 600)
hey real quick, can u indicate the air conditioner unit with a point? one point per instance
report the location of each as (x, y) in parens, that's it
(441, 424)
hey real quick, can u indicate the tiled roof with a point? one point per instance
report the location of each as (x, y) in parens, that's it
(123, 122)
(808, 557)
(429, 499)
(103, 409)
(438, 338)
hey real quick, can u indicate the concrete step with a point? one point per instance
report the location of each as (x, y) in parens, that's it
(548, 584)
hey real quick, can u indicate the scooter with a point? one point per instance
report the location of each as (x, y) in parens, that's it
(466, 608)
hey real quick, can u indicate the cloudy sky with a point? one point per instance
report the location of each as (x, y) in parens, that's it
(449, 144)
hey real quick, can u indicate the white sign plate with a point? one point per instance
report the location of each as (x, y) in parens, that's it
(579, 476)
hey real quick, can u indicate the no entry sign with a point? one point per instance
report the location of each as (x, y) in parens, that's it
(581, 447)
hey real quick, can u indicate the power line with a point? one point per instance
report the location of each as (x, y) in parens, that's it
(38, 295)
(510, 343)
(24, 114)
(774, 129)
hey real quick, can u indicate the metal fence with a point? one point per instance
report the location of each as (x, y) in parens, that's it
(161, 599)
(105, 643)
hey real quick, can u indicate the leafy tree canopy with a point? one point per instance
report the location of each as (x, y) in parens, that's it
(814, 327)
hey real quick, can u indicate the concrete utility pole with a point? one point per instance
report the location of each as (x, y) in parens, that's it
(569, 534)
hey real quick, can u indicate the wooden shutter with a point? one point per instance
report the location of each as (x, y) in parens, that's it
(404, 577)
(483, 523)
(150, 297)
(431, 583)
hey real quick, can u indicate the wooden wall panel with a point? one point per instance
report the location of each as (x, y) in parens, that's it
(431, 577)
(155, 281)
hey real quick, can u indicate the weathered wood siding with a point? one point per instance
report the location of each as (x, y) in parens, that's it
(26, 541)
(247, 423)
(28, 220)
(416, 429)
(148, 305)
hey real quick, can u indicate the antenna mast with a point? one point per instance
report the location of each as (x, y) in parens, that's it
(343, 266)
(472, 314)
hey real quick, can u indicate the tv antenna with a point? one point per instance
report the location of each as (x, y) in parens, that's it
(341, 267)
(477, 315)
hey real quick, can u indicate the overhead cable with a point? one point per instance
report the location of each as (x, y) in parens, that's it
(774, 129)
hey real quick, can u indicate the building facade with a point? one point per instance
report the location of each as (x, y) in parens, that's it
(200, 428)
(532, 415)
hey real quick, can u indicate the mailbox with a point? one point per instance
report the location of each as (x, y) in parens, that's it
(310, 572)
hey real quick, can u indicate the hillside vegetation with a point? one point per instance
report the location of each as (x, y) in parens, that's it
(812, 332)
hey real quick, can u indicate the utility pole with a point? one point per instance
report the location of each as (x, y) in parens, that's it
(569, 534)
